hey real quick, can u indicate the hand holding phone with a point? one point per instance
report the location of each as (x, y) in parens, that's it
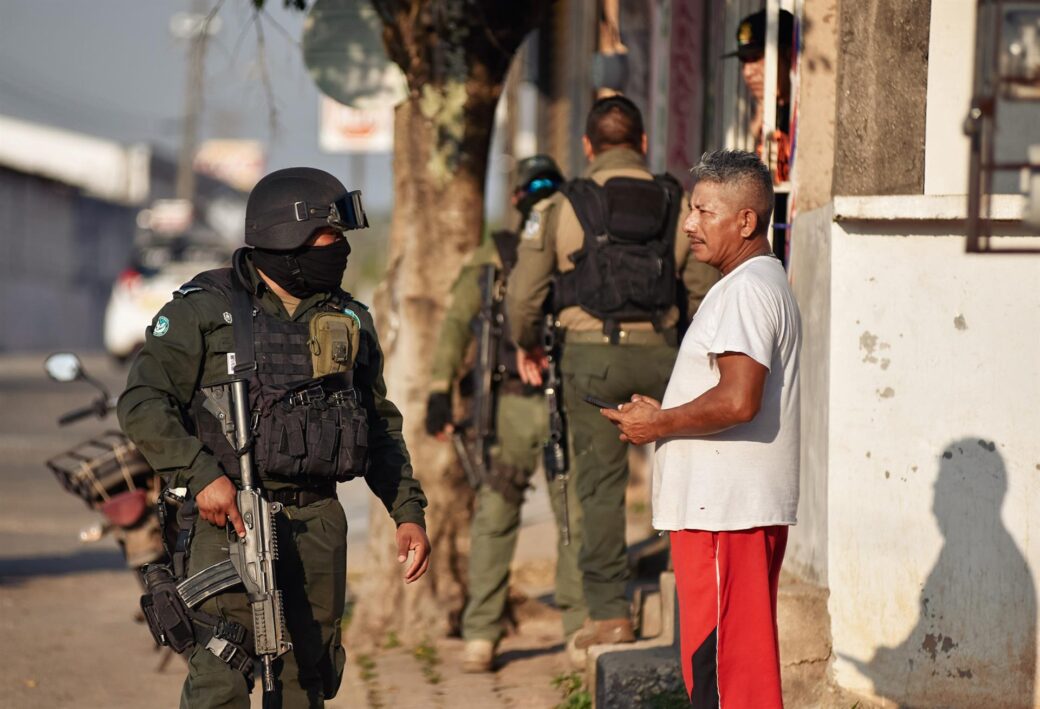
(599, 403)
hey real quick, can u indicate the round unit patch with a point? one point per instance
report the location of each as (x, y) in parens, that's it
(227, 317)
(162, 326)
(533, 225)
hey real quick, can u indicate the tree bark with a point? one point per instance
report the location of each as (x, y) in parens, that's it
(442, 135)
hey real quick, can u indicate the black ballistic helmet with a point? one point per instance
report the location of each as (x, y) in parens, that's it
(288, 206)
(536, 167)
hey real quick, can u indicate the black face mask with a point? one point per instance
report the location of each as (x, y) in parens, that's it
(307, 270)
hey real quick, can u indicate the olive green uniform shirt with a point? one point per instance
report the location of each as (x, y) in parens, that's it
(552, 233)
(186, 348)
(456, 333)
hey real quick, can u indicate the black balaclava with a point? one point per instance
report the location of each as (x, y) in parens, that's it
(306, 270)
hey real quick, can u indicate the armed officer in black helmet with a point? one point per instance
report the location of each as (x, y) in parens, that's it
(320, 416)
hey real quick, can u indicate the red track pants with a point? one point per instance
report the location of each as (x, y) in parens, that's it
(726, 582)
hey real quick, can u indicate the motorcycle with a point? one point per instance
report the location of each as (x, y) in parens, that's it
(109, 474)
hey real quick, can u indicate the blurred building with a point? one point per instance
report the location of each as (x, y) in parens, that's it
(70, 216)
(920, 459)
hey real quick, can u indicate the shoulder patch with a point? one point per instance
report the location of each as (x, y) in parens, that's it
(533, 232)
(533, 225)
(187, 289)
(162, 326)
(360, 304)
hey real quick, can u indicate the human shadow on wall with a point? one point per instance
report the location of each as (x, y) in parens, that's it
(975, 641)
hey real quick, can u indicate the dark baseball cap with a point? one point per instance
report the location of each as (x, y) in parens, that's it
(751, 35)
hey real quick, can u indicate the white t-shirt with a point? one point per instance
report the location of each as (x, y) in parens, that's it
(745, 476)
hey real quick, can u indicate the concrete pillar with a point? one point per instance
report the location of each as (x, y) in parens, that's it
(882, 92)
(817, 84)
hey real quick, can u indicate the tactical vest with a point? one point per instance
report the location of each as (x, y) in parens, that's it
(625, 269)
(307, 430)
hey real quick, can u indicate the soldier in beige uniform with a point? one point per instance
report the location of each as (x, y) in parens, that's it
(617, 308)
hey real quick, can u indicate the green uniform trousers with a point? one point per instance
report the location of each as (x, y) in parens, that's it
(522, 430)
(312, 574)
(599, 466)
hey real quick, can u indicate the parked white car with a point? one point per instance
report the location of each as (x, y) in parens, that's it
(158, 269)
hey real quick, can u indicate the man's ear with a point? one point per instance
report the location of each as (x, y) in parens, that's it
(748, 223)
(586, 145)
(644, 144)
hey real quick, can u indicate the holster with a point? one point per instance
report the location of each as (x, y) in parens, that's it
(171, 616)
(166, 613)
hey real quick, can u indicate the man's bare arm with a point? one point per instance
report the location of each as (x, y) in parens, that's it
(736, 399)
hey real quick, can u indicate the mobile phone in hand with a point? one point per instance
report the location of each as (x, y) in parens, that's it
(599, 403)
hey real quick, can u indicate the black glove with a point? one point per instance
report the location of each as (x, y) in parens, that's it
(438, 412)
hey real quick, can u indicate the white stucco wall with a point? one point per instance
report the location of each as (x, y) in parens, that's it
(934, 461)
(951, 39)
(810, 275)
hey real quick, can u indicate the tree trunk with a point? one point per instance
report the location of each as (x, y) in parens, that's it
(455, 55)
(437, 222)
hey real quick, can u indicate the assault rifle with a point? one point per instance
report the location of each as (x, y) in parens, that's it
(253, 555)
(556, 463)
(486, 374)
(170, 611)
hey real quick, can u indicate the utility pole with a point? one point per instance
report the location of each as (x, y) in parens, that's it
(194, 28)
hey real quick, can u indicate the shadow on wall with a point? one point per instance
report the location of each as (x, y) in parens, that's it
(975, 641)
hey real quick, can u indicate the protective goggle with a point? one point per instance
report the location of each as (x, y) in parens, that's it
(344, 214)
(542, 183)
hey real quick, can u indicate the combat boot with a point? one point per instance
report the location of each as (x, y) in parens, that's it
(604, 632)
(577, 656)
(478, 656)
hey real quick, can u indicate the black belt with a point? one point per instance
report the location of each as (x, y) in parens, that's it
(300, 497)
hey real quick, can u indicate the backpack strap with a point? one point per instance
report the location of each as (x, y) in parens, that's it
(242, 316)
(506, 243)
(589, 202)
(674, 190)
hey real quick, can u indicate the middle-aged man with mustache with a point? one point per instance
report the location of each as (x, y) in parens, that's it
(726, 466)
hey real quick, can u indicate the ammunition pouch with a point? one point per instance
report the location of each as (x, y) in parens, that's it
(314, 434)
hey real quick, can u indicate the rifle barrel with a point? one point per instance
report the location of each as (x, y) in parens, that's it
(240, 412)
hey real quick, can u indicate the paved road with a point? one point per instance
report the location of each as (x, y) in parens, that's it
(66, 608)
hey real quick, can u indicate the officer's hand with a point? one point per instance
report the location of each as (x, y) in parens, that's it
(216, 504)
(438, 415)
(412, 538)
(530, 363)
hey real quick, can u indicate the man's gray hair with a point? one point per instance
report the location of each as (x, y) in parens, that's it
(739, 167)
